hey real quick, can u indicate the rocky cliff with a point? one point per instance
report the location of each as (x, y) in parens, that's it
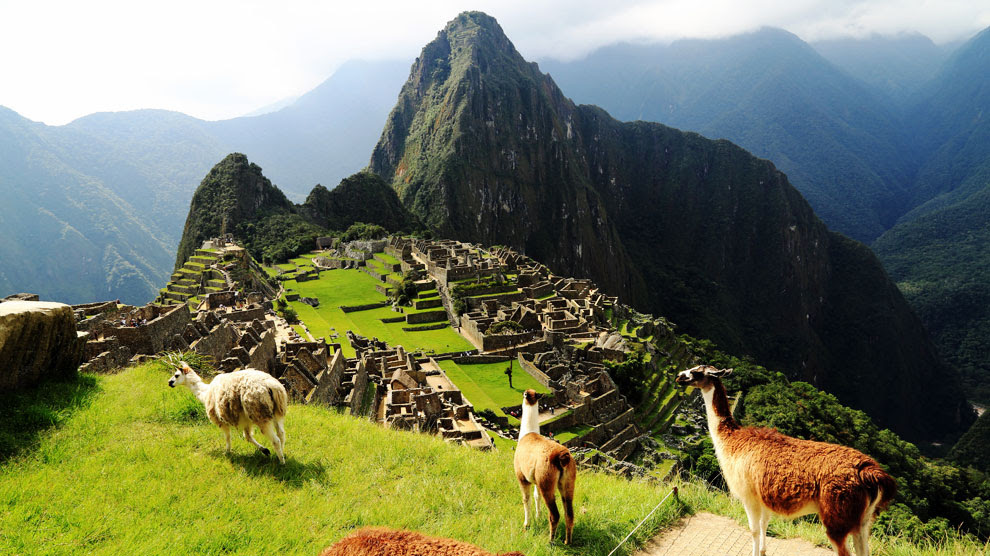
(483, 147)
(38, 342)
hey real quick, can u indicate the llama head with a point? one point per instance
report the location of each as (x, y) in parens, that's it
(701, 376)
(530, 397)
(179, 377)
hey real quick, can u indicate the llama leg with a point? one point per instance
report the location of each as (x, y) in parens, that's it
(838, 543)
(764, 523)
(861, 543)
(226, 434)
(551, 501)
(841, 513)
(753, 515)
(250, 438)
(566, 488)
(568, 517)
(269, 430)
(536, 503)
(526, 487)
(280, 427)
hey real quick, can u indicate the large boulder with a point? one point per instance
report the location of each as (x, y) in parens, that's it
(38, 341)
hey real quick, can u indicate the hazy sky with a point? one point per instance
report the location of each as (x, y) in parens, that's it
(217, 59)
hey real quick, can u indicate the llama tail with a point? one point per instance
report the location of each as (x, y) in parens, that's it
(880, 484)
(280, 400)
(562, 458)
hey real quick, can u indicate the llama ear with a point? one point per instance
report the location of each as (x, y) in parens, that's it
(716, 373)
(186, 369)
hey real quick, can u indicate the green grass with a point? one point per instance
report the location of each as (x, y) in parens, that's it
(354, 287)
(388, 258)
(138, 469)
(121, 464)
(486, 385)
(572, 432)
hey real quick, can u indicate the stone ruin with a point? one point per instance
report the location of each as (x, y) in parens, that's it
(563, 338)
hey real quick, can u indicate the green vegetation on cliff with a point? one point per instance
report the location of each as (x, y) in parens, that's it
(939, 253)
(236, 198)
(363, 197)
(483, 147)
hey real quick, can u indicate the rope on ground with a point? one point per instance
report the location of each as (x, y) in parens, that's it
(669, 494)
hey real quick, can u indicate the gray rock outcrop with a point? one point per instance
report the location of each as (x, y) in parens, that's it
(38, 341)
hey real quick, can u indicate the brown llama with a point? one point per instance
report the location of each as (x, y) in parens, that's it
(548, 465)
(773, 473)
(378, 541)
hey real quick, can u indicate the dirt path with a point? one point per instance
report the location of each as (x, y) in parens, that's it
(707, 534)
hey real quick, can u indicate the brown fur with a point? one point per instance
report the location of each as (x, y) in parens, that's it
(789, 476)
(377, 541)
(551, 467)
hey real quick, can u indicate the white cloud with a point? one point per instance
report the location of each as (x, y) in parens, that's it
(219, 59)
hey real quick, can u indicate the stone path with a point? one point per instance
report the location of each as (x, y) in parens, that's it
(705, 534)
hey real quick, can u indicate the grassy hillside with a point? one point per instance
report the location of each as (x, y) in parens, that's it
(122, 464)
(135, 467)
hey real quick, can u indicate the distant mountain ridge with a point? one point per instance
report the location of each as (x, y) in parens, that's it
(940, 251)
(94, 209)
(774, 95)
(483, 147)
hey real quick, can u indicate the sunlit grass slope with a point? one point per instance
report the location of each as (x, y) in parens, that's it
(135, 468)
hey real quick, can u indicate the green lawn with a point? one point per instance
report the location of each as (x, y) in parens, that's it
(129, 466)
(572, 432)
(388, 258)
(354, 287)
(486, 385)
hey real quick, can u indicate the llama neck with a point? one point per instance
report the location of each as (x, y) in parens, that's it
(530, 420)
(720, 419)
(199, 388)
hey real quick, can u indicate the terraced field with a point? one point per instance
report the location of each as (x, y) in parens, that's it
(351, 287)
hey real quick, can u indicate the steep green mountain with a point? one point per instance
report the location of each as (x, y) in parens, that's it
(950, 121)
(94, 209)
(898, 67)
(939, 253)
(772, 94)
(232, 196)
(236, 198)
(974, 446)
(481, 146)
(363, 197)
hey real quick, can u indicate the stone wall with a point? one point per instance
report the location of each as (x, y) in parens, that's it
(437, 326)
(493, 342)
(263, 355)
(250, 314)
(328, 389)
(534, 372)
(426, 316)
(38, 342)
(218, 342)
(355, 308)
(157, 335)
